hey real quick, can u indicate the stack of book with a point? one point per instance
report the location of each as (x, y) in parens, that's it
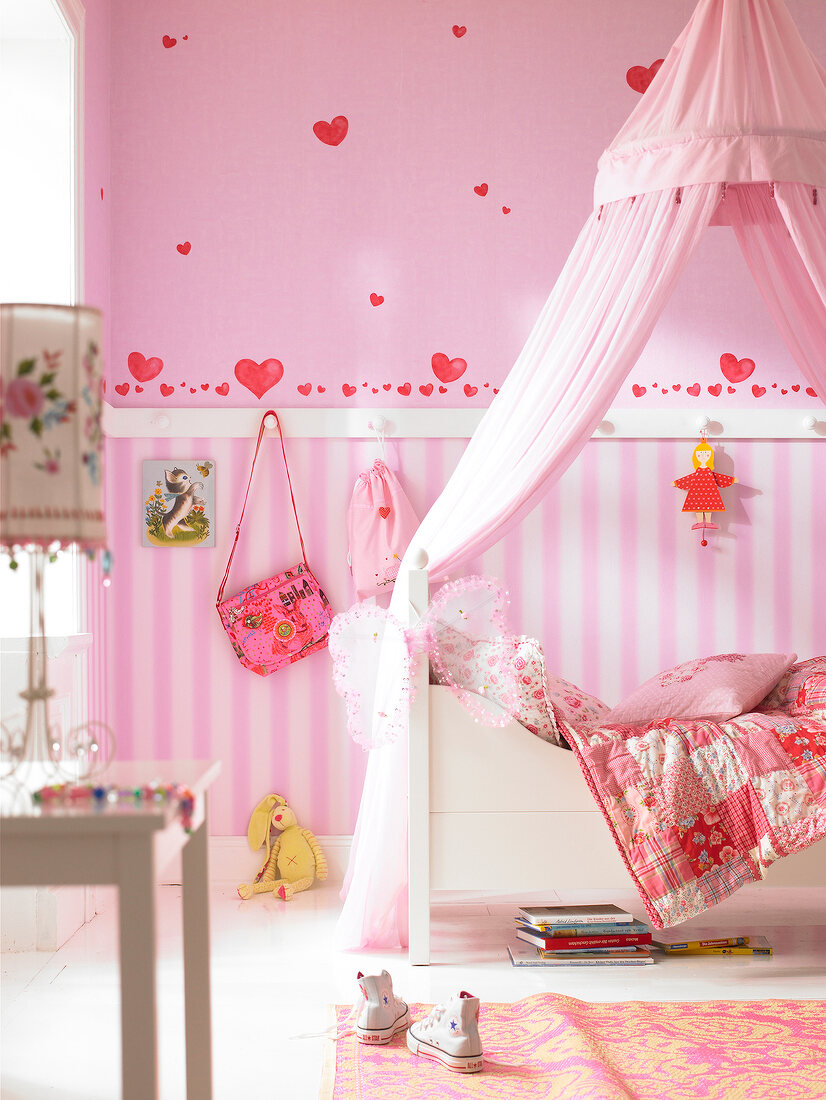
(725, 945)
(579, 935)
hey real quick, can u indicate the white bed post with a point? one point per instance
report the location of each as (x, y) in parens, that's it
(418, 783)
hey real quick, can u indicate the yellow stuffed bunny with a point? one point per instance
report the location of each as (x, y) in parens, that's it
(296, 853)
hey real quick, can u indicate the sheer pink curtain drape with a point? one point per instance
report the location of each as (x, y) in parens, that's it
(590, 333)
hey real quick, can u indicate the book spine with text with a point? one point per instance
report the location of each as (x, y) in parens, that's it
(580, 943)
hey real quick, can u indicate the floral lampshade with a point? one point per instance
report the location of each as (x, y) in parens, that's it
(51, 438)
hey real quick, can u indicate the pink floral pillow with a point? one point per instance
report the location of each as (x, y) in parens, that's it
(717, 688)
(573, 706)
(811, 697)
(784, 694)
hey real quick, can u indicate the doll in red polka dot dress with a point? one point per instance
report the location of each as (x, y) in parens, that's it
(703, 496)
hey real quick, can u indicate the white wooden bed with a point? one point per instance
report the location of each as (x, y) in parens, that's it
(500, 811)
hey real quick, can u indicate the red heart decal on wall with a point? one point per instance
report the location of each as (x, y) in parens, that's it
(676, 388)
(811, 392)
(376, 299)
(784, 391)
(223, 389)
(639, 78)
(795, 388)
(482, 189)
(332, 133)
(387, 385)
(184, 248)
(506, 210)
(427, 390)
(122, 389)
(347, 390)
(758, 391)
(168, 42)
(166, 390)
(205, 385)
(321, 389)
(731, 389)
(375, 389)
(736, 370)
(404, 390)
(384, 512)
(138, 389)
(306, 389)
(638, 391)
(693, 390)
(470, 391)
(142, 369)
(715, 391)
(459, 31)
(192, 389)
(442, 389)
(259, 377)
(447, 370)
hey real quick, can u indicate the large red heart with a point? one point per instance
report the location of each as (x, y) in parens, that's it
(122, 389)
(259, 377)
(347, 390)
(736, 370)
(638, 391)
(184, 248)
(693, 390)
(638, 77)
(305, 389)
(427, 390)
(332, 133)
(166, 390)
(758, 391)
(470, 391)
(811, 392)
(447, 370)
(143, 369)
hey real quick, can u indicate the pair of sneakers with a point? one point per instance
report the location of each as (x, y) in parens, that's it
(450, 1034)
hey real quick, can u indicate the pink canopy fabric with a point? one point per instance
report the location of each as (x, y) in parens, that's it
(699, 128)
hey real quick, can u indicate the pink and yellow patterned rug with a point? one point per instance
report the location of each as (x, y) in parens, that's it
(552, 1047)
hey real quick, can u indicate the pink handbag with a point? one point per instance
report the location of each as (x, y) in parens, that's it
(282, 619)
(380, 524)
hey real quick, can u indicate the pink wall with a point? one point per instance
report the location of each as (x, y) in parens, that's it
(605, 573)
(213, 147)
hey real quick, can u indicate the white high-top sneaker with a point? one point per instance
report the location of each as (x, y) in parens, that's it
(450, 1035)
(381, 1014)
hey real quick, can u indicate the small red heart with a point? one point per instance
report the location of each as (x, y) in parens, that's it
(364, 384)
(639, 78)
(470, 391)
(731, 389)
(168, 42)
(665, 391)
(774, 385)
(376, 299)
(306, 389)
(138, 389)
(348, 390)
(192, 389)
(795, 388)
(676, 388)
(758, 391)
(122, 389)
(506, 210)
(259, 377)
(654, 384)
(482, 189)
(459, 31)
(694, 390)
(811, 392)
(101, 194)
(184, 248)
(716, 390)
(387, 385)
(223, 389)
(332, 133)
(166, 390)
(442, 389)
(384, 512)
(404, 390)
(143, 369)
(427, 390)
(487, 385)
(205, 385)
(447, 370)
(637, 391)
(321, 389)
(185, 37)
(375, 389)
(183, 385)
(495, 390)
(736, 370)
(784, 391)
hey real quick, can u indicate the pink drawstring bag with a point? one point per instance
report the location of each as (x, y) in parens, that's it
(380, 524)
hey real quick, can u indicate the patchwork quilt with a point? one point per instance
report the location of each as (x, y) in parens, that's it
(698, 809)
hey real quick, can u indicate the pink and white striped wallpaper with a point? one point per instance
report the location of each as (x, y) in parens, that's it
(605, 572)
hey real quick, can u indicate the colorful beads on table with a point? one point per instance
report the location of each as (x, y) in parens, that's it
(151, 792)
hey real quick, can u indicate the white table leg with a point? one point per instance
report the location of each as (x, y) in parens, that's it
(196, 965)
(139, 1024)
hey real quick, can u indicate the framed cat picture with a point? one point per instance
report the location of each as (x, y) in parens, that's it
(178, 502)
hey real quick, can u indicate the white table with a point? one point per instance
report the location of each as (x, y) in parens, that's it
(126, 844)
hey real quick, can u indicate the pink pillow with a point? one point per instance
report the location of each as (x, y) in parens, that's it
(573, 706)
(784, 694)
(811, 697)
(717, 688)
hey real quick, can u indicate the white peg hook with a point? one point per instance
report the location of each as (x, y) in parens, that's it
(270, 422)
(809, 422)
(703, 422)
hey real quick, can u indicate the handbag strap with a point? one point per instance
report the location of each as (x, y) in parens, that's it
(271, 412)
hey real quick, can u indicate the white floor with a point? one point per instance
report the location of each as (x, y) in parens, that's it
(274, 974)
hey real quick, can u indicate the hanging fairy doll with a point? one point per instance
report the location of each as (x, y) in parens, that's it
(703, 496)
